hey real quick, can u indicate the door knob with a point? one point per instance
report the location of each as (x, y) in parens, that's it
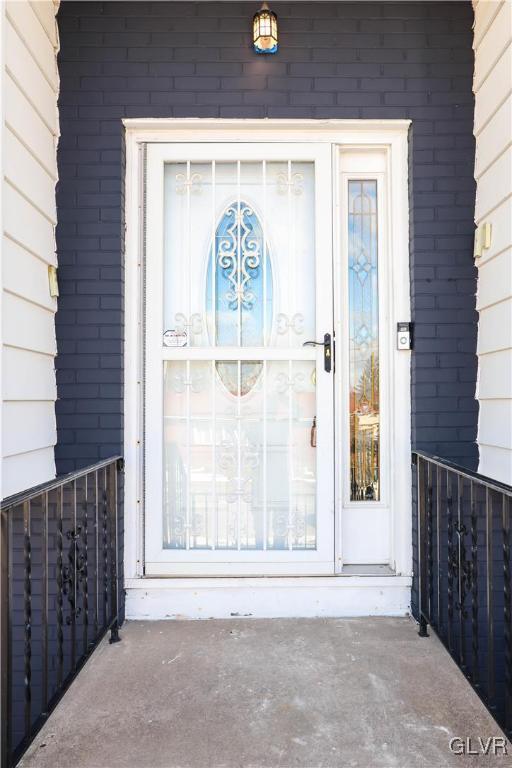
(327, 345)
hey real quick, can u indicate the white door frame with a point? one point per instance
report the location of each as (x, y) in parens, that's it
(359, 163)
(388, 135)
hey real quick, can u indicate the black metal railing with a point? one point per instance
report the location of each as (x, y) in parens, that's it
(463, 579)
(59, 550)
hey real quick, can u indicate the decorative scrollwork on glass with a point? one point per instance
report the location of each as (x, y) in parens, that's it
(238, 459)
(180, 526)
(188, 182)
(239, 257)
(294, 182)
(239, 282)
(298, 525)
(294, 323)
(193, 325)
(283, 382)
(180, 382)
(281, 524)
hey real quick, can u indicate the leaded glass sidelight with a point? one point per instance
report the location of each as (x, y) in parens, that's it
(364, 341)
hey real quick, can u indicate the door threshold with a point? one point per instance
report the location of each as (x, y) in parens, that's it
(347, 570)
(367, 570)
(267, 597)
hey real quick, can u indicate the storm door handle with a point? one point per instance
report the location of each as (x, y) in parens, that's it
(327, 345)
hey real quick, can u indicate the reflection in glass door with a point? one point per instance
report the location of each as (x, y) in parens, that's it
(239, 468)
(240, 411)
(363, 340)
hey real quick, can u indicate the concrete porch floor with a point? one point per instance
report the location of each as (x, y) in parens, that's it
(253, 693)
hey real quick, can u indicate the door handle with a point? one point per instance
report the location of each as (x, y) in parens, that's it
(312, 437)
(327, 345)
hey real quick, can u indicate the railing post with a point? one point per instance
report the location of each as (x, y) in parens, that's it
(450, 561)
(461, 575)
(44, 616)
(507, 615)
(104, 546)
(27, 617)
(429, 582)
(439, 603)
(474, 587)
(5, 640)
(84, 568)
(114, 555)
(72, 587)
(489, 518)
(96, 554)
(420, 485)
(60, 588)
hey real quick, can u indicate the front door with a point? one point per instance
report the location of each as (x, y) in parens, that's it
(239, 470)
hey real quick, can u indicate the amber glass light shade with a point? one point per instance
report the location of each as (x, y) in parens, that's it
(264, 29)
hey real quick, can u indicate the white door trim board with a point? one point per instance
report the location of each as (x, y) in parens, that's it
(387, 135)
(268, 598)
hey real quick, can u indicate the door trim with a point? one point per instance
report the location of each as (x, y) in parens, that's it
(392, 135)
(358, 163)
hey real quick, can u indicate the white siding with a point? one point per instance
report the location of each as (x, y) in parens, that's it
(30, 130)
(493, 172)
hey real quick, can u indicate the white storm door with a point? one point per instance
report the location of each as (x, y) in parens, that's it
(238, 420)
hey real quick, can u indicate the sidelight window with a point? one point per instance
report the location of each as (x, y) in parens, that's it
(363, 341)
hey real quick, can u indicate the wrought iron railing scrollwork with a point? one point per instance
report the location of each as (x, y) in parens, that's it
(463, 582)
(59, 592)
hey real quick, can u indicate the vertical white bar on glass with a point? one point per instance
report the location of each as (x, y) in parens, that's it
(290, 454)
(291, 283)
(189, 255)
(239, 256)
(239, 452)
(213, 321)
(265, 343)
(189, 473)
(239, 388)
(290, 275)
(213, 302)
(214, 457)
(167, 490)
(264, 511)
(264, 232)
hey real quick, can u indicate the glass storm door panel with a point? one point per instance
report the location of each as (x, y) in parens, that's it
(238, 412)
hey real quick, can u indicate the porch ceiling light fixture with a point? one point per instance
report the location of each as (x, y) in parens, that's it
(264, 30)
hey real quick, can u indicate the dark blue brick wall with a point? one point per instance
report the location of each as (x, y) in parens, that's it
(337, 60)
